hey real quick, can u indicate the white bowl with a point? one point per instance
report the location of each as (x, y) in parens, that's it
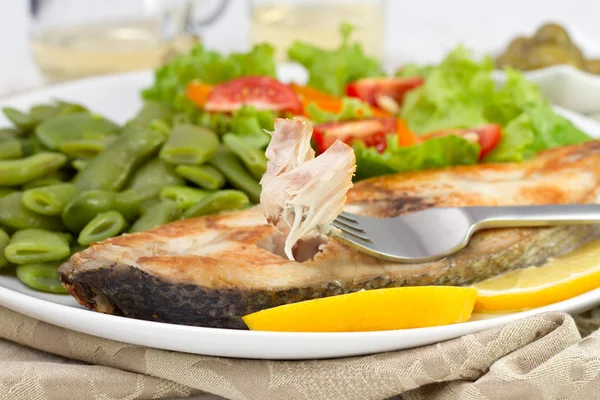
(566, 86)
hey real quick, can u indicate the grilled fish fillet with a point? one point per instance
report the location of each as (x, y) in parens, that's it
(301, 195)
(211, 271)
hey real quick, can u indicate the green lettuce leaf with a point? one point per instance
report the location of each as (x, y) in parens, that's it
(437, 152)
(516, 95)
(461, 93)
(536, 129)
(352, 108)
(517, 142)
(209, 67)
(552, 130)
(412, 69)
(250, 124)
(454, 95)
(330, 70)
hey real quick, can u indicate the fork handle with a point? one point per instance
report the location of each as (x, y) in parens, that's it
(539, 215)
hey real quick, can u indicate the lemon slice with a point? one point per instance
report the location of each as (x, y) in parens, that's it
(559, 279)
(371, 310)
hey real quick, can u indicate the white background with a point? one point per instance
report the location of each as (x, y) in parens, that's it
(419, 30)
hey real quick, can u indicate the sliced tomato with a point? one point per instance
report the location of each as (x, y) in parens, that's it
(260, 92)
(369, 89)
(371, 131)
(487, 136)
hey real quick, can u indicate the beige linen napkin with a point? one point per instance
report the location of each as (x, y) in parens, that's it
(541, 357)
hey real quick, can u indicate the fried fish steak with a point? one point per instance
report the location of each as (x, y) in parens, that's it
(210, 271)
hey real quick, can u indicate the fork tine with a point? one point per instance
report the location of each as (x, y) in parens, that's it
(351, 232)
(347, 217)
(354, 239)
(350, 226)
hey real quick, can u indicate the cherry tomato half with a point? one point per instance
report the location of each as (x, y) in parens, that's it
(260, 92)
(369, 89)
(371, 131)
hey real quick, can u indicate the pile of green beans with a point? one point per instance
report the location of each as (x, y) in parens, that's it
(69, 178)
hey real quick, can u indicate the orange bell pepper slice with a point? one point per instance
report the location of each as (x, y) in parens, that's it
(326, 101)
(406, 137)
(198, 92)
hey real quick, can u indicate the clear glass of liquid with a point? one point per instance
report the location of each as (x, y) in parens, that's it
(281, 22)
(75, 38)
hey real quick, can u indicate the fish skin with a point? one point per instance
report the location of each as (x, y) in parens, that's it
(210, 271)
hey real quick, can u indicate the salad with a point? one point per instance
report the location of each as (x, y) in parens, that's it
(69, 177)
(422, 117)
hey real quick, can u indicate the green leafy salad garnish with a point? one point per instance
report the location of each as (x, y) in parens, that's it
(458, 93)
(209, 67)
(461, 93)
(331, 70)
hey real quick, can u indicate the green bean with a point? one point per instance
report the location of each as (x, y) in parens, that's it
(25, 122)
(147, 204)
(4, 240)
(189, 144)
(59, 129)
(83, 148)
(10, 149)
(67, 107)
(42, 182)
(111, 168)
(204, 176)
(21, 120)
(55, 178)
(15, 216)
(222, 200)
(254, 159)
(19, 172)
(49, 200)
(150, 111)
(14, 148)
(37, 245)
(78, 164)
(6, 191)
(85, 206)
(152, 177)
(9, 133)
(41, 276)
(42, 112)
(31, 145)
(233, 169)
(182, 195)
(156, 215)
(103, 226)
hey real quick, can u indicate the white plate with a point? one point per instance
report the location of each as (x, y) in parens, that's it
(117, 97)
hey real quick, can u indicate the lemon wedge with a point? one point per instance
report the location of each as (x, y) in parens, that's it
(558, 279)
(370, 310)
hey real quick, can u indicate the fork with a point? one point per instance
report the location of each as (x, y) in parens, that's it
(437, 232)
